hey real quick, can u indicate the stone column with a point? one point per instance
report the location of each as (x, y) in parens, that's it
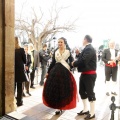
(0, 57)
(7, 100)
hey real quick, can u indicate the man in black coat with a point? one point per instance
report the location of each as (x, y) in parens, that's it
(27, 69)
(110, 57)
(86, 64)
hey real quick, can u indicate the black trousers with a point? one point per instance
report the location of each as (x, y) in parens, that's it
(32, 76)
(19, 97)
(111, 72)
(26, 86)
(44, 71)
(86, 86)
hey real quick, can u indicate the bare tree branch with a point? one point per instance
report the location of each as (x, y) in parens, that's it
(36, 28)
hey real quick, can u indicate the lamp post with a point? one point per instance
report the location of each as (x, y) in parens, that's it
(54, 42)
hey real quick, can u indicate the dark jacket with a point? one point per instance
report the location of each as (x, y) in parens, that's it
(44, 57)
(106, 55)
(69, 61)
(77, 56)
(87, 59)
(36, 59)
(28, 61)
(20, 61)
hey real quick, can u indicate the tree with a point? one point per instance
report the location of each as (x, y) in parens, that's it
(37, 31)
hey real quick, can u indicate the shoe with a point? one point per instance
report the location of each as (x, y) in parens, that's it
(89, 117)
(19, 104)
(41, 83)
(32, 87)
(83, 113)
(24, 95)
(58, 112)
(28, 93)
(107, 94)
(114, 93)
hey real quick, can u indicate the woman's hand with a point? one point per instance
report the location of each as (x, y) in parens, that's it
(26, 67)
(46, 75)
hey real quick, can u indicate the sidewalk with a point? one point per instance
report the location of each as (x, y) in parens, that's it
(33, 109)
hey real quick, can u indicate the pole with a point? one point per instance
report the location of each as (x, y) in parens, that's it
(113, 107)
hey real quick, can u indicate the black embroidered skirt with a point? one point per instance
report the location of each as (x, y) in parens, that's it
(60, 89)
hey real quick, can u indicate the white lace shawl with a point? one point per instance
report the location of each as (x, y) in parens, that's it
(62, 58)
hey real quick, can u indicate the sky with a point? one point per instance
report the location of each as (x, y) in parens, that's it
(98, 18)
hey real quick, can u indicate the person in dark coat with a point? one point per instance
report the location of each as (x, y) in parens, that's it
(35, 63)
(20, 60)
(77, 52)
(27, 69)
(44, 57)
(86, 64)
(109, 57)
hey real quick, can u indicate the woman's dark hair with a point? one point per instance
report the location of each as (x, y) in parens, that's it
(65, 41)
(88, 38)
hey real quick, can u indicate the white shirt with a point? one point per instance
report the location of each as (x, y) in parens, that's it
(112, 51)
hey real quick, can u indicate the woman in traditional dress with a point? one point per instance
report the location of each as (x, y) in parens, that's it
(60, 89)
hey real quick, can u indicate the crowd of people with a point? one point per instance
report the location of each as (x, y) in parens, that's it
(59, 89)
(27, 61)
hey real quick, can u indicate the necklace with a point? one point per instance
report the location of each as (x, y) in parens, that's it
(61, 51)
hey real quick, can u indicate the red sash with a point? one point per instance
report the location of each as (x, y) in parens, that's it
(111, 65)
(89, 72)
